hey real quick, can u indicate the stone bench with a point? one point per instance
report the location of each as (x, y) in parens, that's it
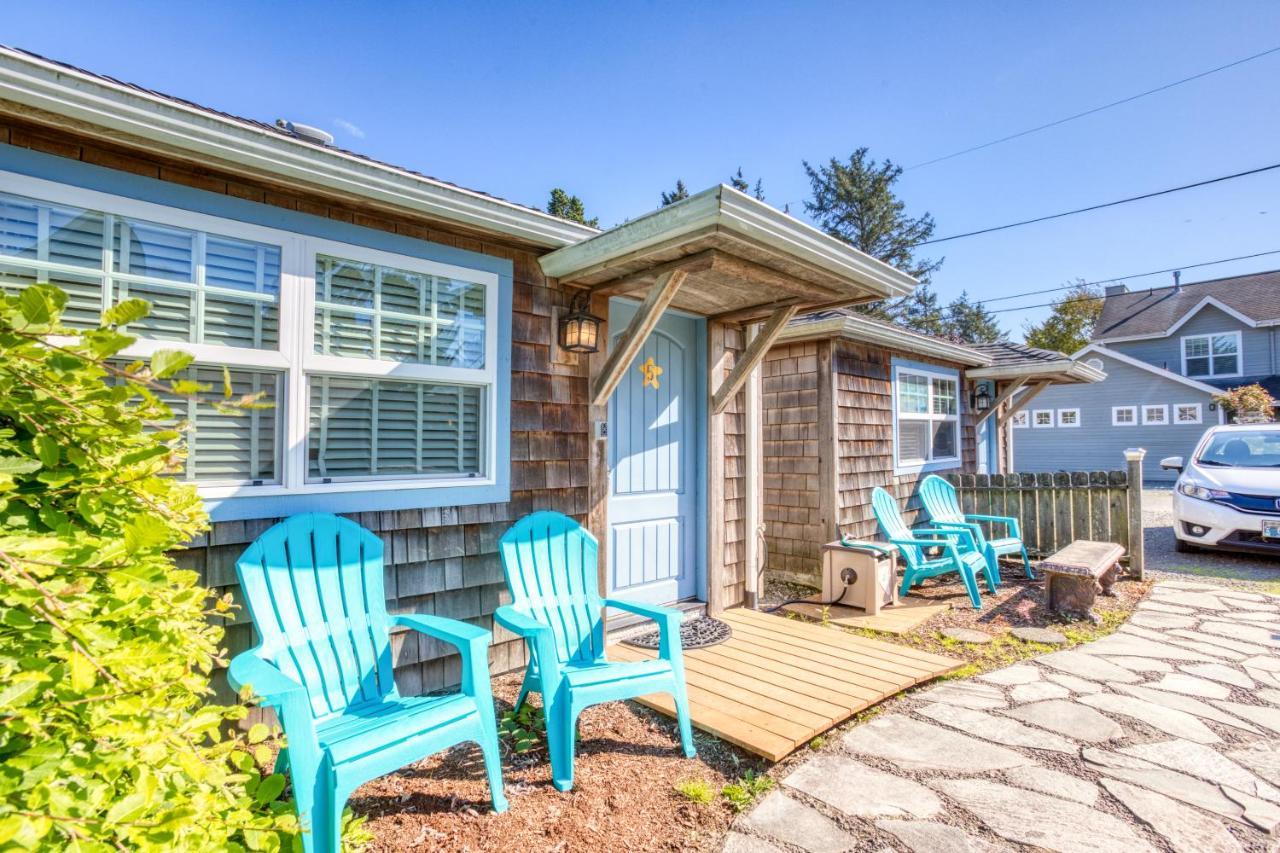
(1074, 576)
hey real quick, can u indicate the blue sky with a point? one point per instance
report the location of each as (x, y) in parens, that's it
(615, 101)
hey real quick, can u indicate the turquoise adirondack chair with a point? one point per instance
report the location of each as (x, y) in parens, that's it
(959, 552)
(550, 564)
(943, 506)
(313, 584)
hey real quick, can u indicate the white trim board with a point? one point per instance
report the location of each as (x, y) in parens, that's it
(1107, 352)
(171, 126)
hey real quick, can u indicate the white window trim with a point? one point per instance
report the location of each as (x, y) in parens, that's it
(1211, 335)
(295, 357)
(1115, 421)
(910, 466)
(1034, 419)
(1164, 407)
(1198, 408)
(1020, 419)
(1067, 425)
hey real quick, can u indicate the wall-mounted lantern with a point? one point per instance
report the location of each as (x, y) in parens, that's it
(580, 329)
(981, 398)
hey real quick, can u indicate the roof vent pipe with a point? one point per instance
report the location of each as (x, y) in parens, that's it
(1177, 280)
(306, 132)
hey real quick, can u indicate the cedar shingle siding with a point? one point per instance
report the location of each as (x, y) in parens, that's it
(444, 560)
(798, 514)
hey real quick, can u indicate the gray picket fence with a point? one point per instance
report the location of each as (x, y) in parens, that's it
(1056, 509)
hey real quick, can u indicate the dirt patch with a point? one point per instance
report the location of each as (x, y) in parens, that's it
(624, 797)
(1019, 602)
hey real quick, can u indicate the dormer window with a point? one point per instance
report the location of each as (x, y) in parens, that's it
(1211, 355)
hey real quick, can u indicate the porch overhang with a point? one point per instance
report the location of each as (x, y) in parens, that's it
(856, 327)
(743, 259)
(1060, 372)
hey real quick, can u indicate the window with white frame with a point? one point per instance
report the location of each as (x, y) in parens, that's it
(1211, 355)
(1068, 418)
(1042, 418)
(1187, 413)
(1155, 415)
(1020, 419)
(377, 366)
(928, 416)
(1124, 415)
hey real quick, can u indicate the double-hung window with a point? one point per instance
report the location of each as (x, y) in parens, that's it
(380, 369)
(927, 421)
(1211, 355)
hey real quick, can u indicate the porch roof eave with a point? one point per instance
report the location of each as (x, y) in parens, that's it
(1062, 371)
(744, 260)
(866, 330)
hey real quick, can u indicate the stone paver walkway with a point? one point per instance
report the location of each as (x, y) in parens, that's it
(1162, 736)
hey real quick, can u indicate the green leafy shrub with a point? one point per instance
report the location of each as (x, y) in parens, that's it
(742, 793)
(108, 740)
(697, 791)
(525, 730)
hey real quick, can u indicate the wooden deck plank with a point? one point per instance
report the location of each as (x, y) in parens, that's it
(874, 667)
(778, 682)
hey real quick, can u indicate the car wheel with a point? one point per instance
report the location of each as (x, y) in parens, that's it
(1184, 547)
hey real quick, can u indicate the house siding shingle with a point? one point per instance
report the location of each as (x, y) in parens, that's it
(443, 560)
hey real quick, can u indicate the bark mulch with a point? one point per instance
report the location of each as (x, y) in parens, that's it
(624, 797)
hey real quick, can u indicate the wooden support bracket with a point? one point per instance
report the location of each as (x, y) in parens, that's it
(1018, 405)
(751, 357)
(638, 330)
(1001, 400)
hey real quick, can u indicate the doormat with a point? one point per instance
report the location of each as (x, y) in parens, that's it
(694, 634)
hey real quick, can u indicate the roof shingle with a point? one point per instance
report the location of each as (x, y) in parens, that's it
(1154, 312)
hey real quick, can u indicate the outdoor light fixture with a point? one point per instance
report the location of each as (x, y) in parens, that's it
(579, 329)
(982, 398)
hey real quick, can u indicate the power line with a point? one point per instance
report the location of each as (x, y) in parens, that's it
(1093, 207)
(1125, 277)
(1090, 112)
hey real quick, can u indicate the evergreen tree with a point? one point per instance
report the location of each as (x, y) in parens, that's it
(678, 194)
(855, 202)
(970, 322)
(920, 311)
(1070, 325)
(740, 183)
(569, 207)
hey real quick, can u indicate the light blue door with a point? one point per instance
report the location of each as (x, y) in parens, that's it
(654, 423)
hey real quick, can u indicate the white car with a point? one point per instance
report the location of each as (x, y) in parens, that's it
(1228, 494)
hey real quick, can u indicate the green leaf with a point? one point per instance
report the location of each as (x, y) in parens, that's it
(46, 447)
(40, 304)
(271, 788)
(12, 465)
(126, 311)
(226, 382)
(167, 362)
(83, 672)
(258, 732)
(127, 808)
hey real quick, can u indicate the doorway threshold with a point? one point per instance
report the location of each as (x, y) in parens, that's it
(622, 625)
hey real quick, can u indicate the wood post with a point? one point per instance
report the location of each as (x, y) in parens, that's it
(717, 366)
(752, 357)
(638, 330)
(1008, 392)
(598, 454)
(1018, 405)
(1137, 553)
(754, 495)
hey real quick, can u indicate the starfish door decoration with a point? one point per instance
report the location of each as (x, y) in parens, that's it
(651, 373)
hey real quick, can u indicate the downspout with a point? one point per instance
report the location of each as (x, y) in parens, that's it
(754, 462)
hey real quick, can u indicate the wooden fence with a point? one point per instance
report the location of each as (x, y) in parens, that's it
(1058, 508)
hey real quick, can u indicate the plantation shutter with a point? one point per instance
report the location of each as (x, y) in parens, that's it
(368, 427)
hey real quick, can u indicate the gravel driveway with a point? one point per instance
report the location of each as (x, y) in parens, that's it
(1237, 570)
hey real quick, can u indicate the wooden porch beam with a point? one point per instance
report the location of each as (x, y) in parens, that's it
(1001, 400)
(1018, 405)
(754, 313)
(637, 332)
(639, 281)
(752, 356)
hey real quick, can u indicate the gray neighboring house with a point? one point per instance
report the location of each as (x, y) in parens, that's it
(1166, 353)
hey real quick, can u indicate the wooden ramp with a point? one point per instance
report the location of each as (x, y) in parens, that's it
(778, 682)
(898, 619)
